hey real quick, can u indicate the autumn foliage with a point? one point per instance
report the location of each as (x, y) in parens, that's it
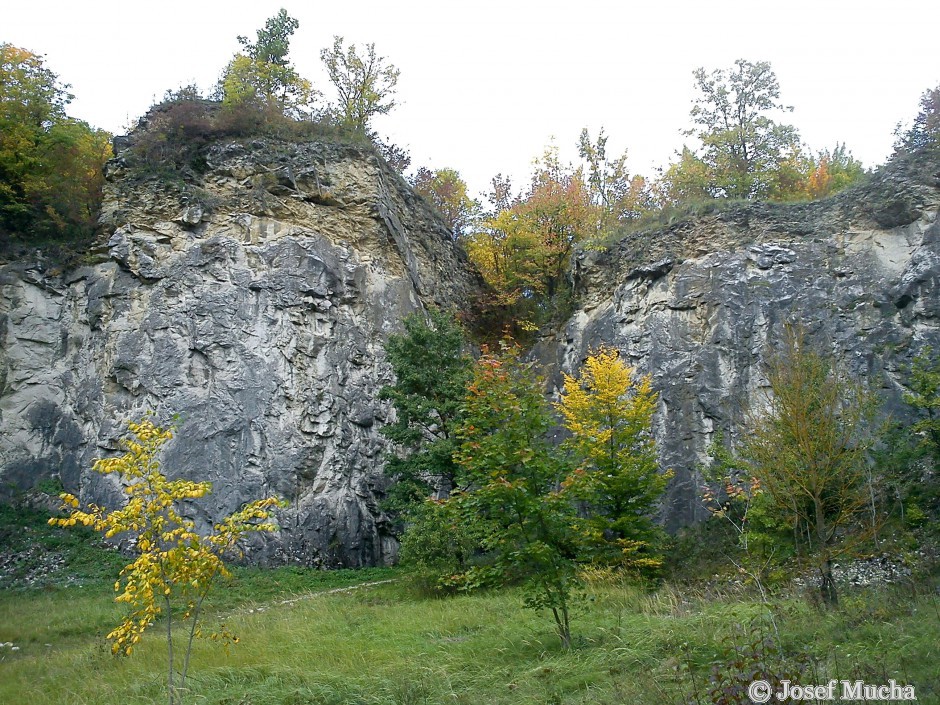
(175, 565)
(808, 449)
(610, 415)
(537, 512)
(524, 248)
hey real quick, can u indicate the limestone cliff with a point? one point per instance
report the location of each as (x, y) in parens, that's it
(251, 303)
(698, 305)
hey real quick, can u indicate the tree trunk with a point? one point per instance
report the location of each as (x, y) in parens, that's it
(827, 586)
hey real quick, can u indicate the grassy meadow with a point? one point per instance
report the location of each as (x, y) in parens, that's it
(304, 640)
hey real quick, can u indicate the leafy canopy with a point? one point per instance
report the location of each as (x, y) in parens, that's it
(263, 75)
(742, 146)
(924, 395)
(523, 250)
(448, 193)
(924, 133)
(620, 197)
(365, 85)
(50, 164)
(530, 512)
(432, 369)
(744, 152)
(516, 493)
(808, 450)
(610, 416)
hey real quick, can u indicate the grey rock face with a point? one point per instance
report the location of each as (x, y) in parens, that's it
(252, 304)
(252, 307)
(698, 306)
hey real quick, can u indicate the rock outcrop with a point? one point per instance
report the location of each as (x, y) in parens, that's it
(251, 305)
(697, 305)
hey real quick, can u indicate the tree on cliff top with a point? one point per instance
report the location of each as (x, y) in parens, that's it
(742, 146)
(924, 133)
(364, 84)
(448, 193)
(262, 73)
(50, 164)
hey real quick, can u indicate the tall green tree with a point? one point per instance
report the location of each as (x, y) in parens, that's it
(742, 145)
(50, 164)
(432, 369)
(515, 486)
(365, 84)
(610, 416)
(262, 74)
(808, 449)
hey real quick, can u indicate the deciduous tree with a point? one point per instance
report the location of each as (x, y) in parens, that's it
(742, 145)
(803, 176)
(365, 85)
(515, 493)
(609, 415)
(924, 395)
(262, 74)
(448, 192)
(620, 197)
(686, 180)
(808, 449)
(176, 566)
(523, 251)
(50, 164)
(432, 368)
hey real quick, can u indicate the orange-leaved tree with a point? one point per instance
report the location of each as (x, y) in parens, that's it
(176, 565)
(524, 249)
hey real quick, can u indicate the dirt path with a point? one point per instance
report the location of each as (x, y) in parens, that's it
(310, 595)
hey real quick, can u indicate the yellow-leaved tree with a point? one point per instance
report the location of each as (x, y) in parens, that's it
(609, 415)
(262, 74)
(175, 565)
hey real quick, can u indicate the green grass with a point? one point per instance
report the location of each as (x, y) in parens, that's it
(300, 643)
(382, 644)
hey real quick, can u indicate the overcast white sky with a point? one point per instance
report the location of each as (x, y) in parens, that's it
(486, 84)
